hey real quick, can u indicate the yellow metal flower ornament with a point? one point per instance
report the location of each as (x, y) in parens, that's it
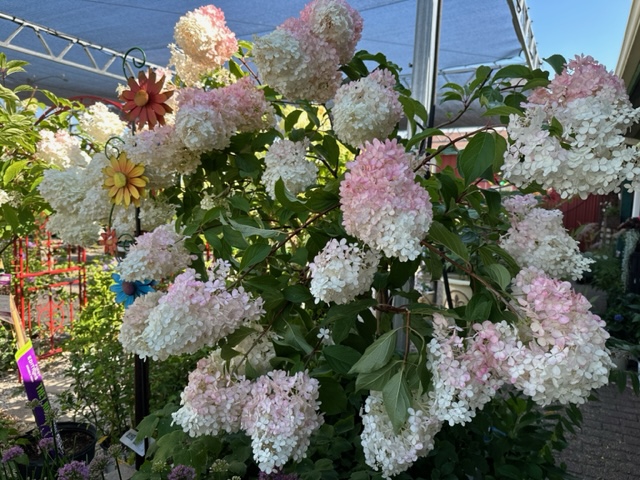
(125, 181)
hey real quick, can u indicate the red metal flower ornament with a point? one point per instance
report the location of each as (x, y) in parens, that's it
(145, 100)
(109, 241)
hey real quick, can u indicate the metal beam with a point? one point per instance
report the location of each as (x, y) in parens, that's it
(522, 25)
(98, 59)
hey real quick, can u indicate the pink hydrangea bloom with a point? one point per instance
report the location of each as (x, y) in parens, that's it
(280, 416)
(463, 377)
(564, 354)
(590, 154)
(213, 401)
(337, 23)
(194, 314)
(203, 35)
(207, 119)
(582, 77)
(381, 202)
(297, 63)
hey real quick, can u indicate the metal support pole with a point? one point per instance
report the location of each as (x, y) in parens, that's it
(423, 88)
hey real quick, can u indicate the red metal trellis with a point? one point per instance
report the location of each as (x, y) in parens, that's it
(48, 286)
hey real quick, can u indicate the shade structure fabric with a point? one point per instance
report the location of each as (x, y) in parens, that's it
(479, 32)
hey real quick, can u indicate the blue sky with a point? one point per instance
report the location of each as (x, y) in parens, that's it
(570, 27)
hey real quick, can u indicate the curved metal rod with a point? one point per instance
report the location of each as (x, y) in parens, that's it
(109, 146)
(136, 63)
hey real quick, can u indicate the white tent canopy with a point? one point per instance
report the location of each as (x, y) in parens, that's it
(78, 52)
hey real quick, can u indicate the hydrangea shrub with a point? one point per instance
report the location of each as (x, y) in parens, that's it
(296, 218)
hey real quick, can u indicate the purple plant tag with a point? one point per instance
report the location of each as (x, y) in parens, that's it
(34, 387)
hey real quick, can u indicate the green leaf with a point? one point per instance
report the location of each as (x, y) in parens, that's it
(502, 110)
(513, 71)
(377, 355)
(340, 358)
(397, 400)
(233, 237)
(479, 308)
(291, 120)
(294, 337)
(557, 62)
(378, 379)
(248, 231)
(322, 200)
(477, 158)
(440, 234)
(417, 138)
(332, 398)
(287, 199)
(297, 294)
(254, 254)
(10, 216)
(500, 149)
(13, 170)
(499, 274)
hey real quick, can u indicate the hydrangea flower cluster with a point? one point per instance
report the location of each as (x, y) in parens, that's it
(366, 109)
(300, 58)
(206, 120)
(157, 254)
(463, 381)
(337, 23)
(288, 160)
(204, 42)
(60, 149)
(537, 238)
(280, 416)
(566, 357)
(163, 155)
(341, 272)
(390, 452)
(213, 400)
(79, 200)
(589, 154)
(191, 315)
(100, 123)
(381, 202)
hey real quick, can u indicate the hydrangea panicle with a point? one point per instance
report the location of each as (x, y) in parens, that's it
(341, 272)
(589, 154)
(156, 255)
(381, 202)
(288, 161)
(367, 108)
(280, 416)
(537, 238)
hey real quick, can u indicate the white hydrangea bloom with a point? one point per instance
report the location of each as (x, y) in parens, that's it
(366, 109)
(201, 128)
(4, 197)
(341, 272)
(60, 149)
(100, 123)
(163, 155)
(155, 255)
(287, 160)
(392, 453)
(537, 238)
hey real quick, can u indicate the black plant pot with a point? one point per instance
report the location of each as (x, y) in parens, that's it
(78, 441)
